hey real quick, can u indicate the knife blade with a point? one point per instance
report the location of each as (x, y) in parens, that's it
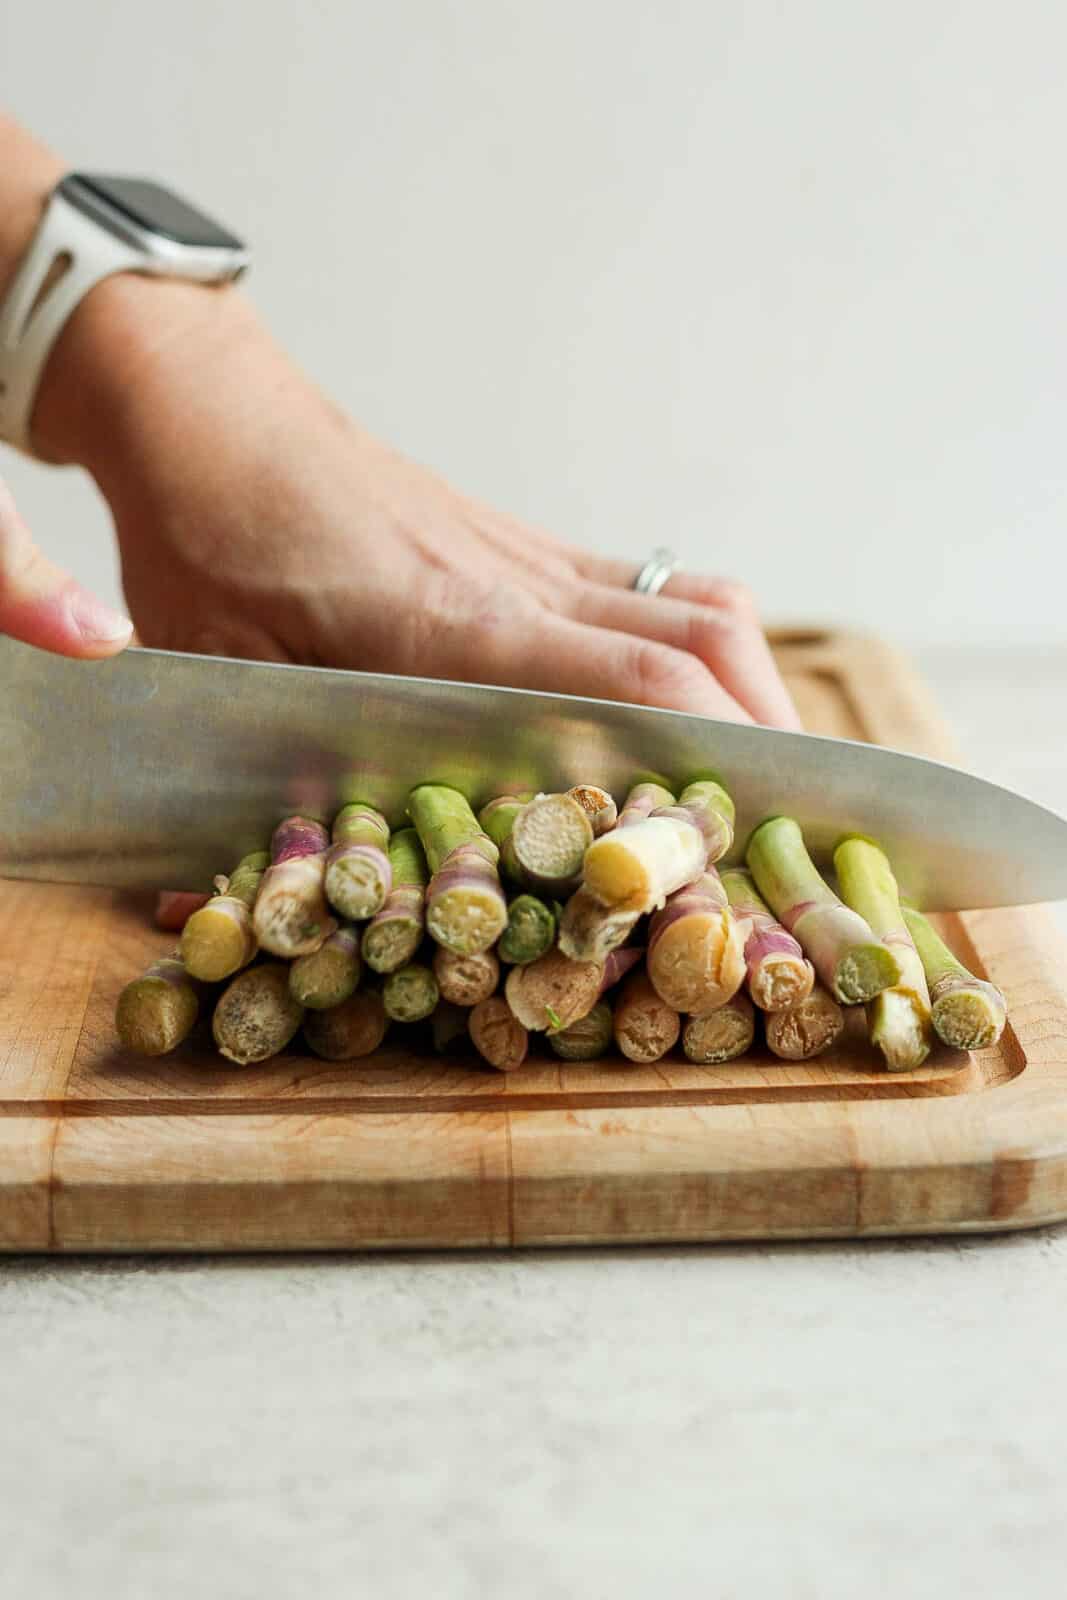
(158, 770)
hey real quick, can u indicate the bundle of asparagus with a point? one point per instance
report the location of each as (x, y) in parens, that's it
(564, 916)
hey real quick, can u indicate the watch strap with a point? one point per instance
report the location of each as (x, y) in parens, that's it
(68, 255)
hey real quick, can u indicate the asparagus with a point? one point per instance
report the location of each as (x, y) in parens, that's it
(806, 1028)
(219, 939)
(721, 1035)
(157, 1011)
(852, 962)
(256, 1015)
(637, 866)
(588, 1038)
(598, 806)
(329, 974)
(291, 916)
(354, 1028)
(898, 1019)
(779, 973)
(358, 874)
(616, 965)
(969, 1013)
(548, 841)
(393, 936)
(465, 906)
(531, 930)
(645, 1027)
(589, 930)
(497, 1035)
(696, 958)
(645, 796)
(410, 994)
(449, 1025)
(464, 980)
(497, 820)
(553, 991)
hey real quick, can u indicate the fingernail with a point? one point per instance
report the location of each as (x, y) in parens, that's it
(96, 622)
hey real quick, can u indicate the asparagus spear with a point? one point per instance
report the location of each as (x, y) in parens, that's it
(358, 874)
(329, 974)
(393, 936)
(219, 939)
(969, 1013)
(464, 980)
(465, 906)
(531, 930)
(497, 820)
(410, 994)
(721, 1035)
(779, 973)
(497, 1035)
(898, 1019)
(291, 916)
(549, 838)
(637, 866)
(645, 796)
(645, 1026)
(696, 958)
(852, 962)
(598, 806)
(589, 930)
(157, 1011)
(354, 1028)
(256, 1016)
(588, 1038)
(806, 1028)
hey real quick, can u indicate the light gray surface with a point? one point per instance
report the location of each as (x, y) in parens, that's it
(811, 1421)
(779, 283)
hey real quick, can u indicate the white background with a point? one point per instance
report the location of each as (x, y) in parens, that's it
(781, 284)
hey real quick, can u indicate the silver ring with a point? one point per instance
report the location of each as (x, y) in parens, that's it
(656, 570)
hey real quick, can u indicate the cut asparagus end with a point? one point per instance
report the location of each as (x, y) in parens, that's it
(157, 1011)
(637, 866)
(531, 930)
(553, 991)
(781, 980)
(589, 930)
(587, 1039)
(354, 1028)
(467, 917)
(549, 838)
(722, 1035)
(696, 949)
(806, 1028)
(864, 971)
(389, 945)
(899, 1025)
(971, 1017)
(329, 975)
(256, 1016)
(218, 940)
(358, 880)
(410, 994)
(464, 980)
(598, 806)
(644, 1026)
(497, 1035)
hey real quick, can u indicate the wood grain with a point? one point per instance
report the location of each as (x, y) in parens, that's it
(102, 1151)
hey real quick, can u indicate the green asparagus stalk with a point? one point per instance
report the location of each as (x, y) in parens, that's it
(722, 1035)
(497, 1035)
(645, 1026)
(329, 974)
(465, 906)
(256, 1016)
(219, 939)
(464, 980)
(358, 874)
(696, 948)
(969, 1013)
(590, 930)
(598, 806)
(158, 1010)
(497, 819)
(587, 1039)
(779, 973)
(851, 960)
(806, 1028)
(352, 1029)
(393, 936)
(531, 930)
(410, 994)
(898, 1019)
(291, 917)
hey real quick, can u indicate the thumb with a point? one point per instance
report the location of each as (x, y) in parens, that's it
(44, 606)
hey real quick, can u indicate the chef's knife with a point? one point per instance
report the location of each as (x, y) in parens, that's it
(156, 770)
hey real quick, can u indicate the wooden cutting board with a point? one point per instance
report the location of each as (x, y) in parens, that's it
(101, 1151)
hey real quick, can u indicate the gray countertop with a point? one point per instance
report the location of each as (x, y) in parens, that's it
(790, 1420)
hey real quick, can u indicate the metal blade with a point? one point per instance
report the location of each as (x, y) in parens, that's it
(156, 770)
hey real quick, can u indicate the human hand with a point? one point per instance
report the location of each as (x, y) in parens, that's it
(254, 519)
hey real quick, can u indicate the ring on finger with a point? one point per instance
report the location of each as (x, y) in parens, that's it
(656, 571)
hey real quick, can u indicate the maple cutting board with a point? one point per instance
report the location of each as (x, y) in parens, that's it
(102, 1151)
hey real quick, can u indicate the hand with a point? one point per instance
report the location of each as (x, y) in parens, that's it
(254, 519)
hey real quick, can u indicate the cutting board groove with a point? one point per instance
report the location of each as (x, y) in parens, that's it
(102, 1151)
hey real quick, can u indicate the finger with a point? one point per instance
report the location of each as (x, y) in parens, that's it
(173, 909)
(725, 636)
(44, 606)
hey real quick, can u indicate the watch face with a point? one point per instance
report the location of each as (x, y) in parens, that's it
(151, 207)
